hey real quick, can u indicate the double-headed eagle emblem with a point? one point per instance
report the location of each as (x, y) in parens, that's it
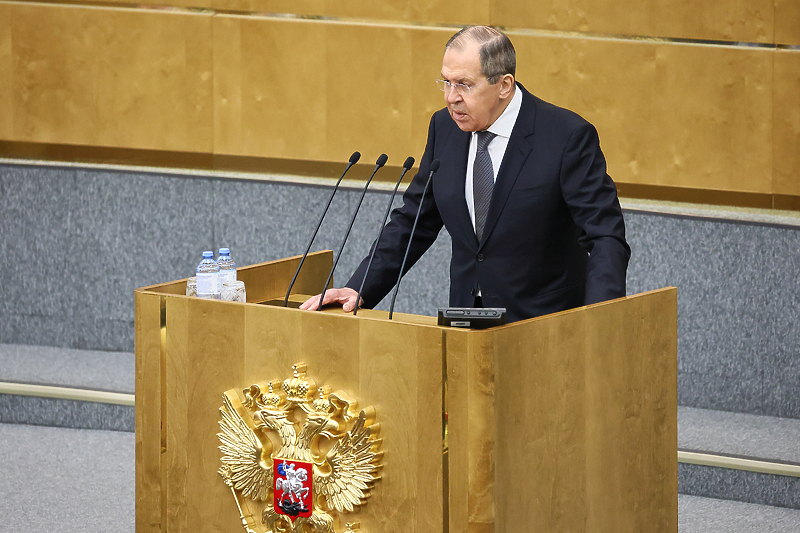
(326, 462)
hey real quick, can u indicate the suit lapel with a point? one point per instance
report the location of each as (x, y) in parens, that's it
(459, 147)
(517, 152)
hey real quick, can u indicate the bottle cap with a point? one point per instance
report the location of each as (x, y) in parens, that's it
(224, 251)
(207, 254)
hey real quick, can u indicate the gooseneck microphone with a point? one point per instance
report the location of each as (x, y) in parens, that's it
(378, 164)
(353, 160)
(406, 167)
(433, 168)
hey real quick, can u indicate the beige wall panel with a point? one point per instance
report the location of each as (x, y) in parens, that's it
(736, 20)
(269, 96)
(111, 77)
(787, 22)
(787, 122)
(667, 114)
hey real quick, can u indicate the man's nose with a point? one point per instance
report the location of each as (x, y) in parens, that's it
(451, 95)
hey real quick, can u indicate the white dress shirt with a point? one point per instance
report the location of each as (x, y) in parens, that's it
(497, 147)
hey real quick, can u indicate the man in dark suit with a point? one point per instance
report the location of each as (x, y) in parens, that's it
(522, 189)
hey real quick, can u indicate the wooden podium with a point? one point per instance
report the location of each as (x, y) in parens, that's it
(563, 423)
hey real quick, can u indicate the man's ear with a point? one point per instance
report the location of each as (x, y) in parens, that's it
(506, 86)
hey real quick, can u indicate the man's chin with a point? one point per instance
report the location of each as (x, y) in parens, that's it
(462, 121)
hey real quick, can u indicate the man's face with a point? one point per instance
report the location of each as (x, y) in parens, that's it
(478, 109)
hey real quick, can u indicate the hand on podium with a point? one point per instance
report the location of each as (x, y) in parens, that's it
(345, 296)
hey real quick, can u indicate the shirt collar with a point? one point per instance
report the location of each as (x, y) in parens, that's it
(505, 122)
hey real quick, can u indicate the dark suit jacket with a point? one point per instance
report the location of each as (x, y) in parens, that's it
(554, 236)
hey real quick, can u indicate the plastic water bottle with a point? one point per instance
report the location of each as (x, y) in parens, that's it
(208, 277)
(227, 268)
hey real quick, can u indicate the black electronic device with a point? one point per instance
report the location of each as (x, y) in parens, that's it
(472, 317)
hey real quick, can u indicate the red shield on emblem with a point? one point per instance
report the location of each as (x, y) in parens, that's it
(293, 485)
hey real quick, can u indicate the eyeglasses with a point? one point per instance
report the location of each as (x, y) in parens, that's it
(460, 88)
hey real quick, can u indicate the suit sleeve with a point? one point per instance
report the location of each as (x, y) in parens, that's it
(592, 199)
(385, 268)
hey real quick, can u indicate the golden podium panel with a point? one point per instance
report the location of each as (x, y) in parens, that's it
(566, 422)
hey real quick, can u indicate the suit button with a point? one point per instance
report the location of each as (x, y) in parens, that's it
(480, 257)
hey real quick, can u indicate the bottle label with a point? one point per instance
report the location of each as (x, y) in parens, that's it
(226, 276)
(207, 283)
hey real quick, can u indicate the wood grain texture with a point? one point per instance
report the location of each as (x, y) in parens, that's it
(586, 408)
(667, 114)
(6, 66)
(737, 20)
(148, 413)
(786, 133)
(216, 346)
(787, 22)
(425, 11)
(312, 100)
(110, 77)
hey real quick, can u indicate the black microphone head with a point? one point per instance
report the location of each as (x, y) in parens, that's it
(355, 157)
(381, 160)
(434, 165)
(409, 163)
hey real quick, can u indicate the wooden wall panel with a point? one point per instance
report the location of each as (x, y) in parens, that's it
(312, 100)
(729, 20)
(427, 11)
(787, 122)
(111, 77)
(667, 114)
(6, 126)
(270, 95)
(787, 22)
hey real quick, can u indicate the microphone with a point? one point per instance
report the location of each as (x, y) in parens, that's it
(353, 160)
(433, 168)
(406, 167)
(378, 164)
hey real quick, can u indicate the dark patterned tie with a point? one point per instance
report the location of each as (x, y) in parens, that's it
(482, 181)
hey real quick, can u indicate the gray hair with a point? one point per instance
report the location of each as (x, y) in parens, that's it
(497, 54)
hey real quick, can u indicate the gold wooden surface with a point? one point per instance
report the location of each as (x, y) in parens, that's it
(425, 11)
(786, 134)
(274, 99)
(6, 66)
(213, 346)
(148, 412)
(108, 77)
(787, 22)
(586, 418)
(470, 426)
(737, 20)
(567, 421)
(667, 114)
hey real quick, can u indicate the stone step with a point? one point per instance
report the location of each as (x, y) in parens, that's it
(741, 457)
(731, 456)
(63, 387)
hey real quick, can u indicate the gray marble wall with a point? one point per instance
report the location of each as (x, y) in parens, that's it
(77, 242)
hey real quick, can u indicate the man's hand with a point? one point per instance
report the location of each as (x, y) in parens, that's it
(345, 296)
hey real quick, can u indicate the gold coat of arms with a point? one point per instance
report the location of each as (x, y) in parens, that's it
(300, 457)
